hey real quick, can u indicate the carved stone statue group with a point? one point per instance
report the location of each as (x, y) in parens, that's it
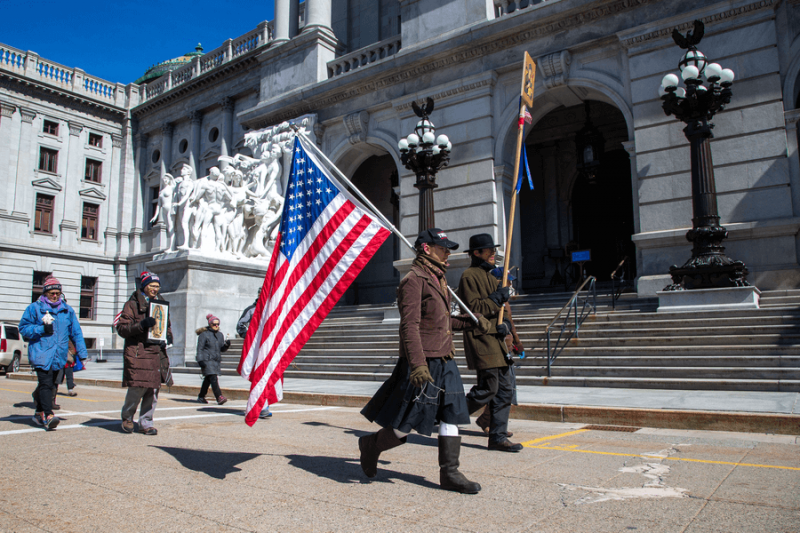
(235, 210)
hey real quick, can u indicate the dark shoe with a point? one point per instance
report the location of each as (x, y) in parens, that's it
(221, 400)
(56, 407)
(51, 422)
(505, 446)
(484, 420)
(449, 476)
(38, 419)
(200, 399)
(371, 447)
(72, 393)
(148, 431)
(127, 426)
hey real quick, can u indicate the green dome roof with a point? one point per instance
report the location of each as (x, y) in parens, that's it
(156, 71)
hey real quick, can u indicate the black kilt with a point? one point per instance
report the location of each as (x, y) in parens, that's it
(401, 406)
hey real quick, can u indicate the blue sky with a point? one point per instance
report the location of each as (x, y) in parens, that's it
(118, 40)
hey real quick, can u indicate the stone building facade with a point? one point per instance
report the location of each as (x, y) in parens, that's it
(356, 66)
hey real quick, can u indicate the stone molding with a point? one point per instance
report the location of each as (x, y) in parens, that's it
(762, 229)
(448, 92)
(630, 147)
(27, 115)
(47, 183)
(555, 68)
(116, 140)
(227, 104)
(356, 125)
(319, 131)
(92, 193)
(6, 109)
(791, 117)
(75, 128)
(666, 33)
(167, 128)
(195, 117)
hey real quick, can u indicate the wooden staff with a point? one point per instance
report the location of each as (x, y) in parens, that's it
(526, 98)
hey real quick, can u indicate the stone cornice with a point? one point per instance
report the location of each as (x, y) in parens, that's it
(666, 33)
(468, 87)
(70, 255)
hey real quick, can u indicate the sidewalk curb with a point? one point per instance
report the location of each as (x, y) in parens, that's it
(780, 424)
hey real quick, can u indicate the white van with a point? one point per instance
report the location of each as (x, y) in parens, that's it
(13, 349)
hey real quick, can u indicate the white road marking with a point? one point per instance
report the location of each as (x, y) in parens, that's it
(157, 419)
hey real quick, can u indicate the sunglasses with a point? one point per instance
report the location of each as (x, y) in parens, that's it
(215, 325)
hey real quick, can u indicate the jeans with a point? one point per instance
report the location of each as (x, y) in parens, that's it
(43, 394)
(149, 398)
(495, 389)
(66, 371)
(210, 380)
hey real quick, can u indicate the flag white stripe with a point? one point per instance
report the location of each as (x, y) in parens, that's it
(332, 279)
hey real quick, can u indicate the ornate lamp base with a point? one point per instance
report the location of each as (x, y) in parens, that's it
(708, 273)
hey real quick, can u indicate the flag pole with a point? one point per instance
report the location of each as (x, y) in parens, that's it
(308, 143)
(526, 98)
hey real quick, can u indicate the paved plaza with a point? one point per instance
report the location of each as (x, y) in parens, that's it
(207, 471)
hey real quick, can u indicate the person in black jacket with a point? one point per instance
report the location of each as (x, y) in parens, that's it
(241, 330)
(210, 345)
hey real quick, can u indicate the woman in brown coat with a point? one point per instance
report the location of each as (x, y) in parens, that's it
(143, 360)
(425, 387)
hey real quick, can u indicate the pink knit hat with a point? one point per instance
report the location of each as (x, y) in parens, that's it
(211, 318)
(51, 283)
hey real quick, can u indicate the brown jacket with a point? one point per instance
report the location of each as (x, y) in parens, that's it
(483, 351)
(142, 360)
(426, 327)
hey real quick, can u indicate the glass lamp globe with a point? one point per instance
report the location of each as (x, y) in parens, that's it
(726, 76)
(424, 126)
(413, 140)
(690, 72)
(442, 140)
(695, 58)
(713, 72)
(403, 145)
(428, 138)
(670, 80)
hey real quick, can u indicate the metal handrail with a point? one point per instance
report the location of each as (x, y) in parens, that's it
(580, 317)
(614, 293)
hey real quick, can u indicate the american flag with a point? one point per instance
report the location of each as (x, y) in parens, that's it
(326, 238)
(116, 319)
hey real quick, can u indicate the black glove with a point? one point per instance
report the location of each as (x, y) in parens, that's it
(169, 338)
(163, 345)
(501, 296)
(227, 343)
(48, 330)
(504, 329)
(148, 323)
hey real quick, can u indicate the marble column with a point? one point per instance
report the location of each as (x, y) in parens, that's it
(6, 138)
(115, 183)
(226, 144)
(134, 240)
(318, 15)
(196, 118)
(166, 147)
(793, 157)
(71, 213)
(286, 20)
(25, 167)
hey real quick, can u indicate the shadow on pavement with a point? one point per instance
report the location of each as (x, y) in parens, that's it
(25, 405)
(348, 470)
(214, 464)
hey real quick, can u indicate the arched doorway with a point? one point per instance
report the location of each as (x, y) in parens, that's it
(377, 179)
(567, 211)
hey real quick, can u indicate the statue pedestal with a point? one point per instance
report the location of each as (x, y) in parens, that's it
(195, 285)
(732, 298)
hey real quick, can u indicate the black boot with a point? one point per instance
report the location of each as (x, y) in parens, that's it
(371, 447)
(449, 476)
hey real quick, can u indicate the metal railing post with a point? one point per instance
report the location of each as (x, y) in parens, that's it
(548, 352)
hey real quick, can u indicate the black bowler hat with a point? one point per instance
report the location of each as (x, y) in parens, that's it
(435, 236)
(481, 241)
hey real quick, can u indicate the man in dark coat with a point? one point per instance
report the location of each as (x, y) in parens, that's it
(486, 352)
(425, 387)
(143, 360)
(241, 330)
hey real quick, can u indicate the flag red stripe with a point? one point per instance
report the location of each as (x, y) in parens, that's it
(309, 292)
(335, 294)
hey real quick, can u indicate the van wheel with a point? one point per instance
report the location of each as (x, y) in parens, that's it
(14, 366)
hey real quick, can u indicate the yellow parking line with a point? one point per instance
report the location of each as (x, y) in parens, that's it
(644, 456)
(530, 443)
(22, 391)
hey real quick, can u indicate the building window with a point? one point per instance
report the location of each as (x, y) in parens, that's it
(183, 145)
(154, 206)
(95, 140)
(48, 160)
(38, 284)
(94, 169)
(88, 292)
(43, 219)
(50, 127)
(89, 223)
(156, 156)
(213, 135)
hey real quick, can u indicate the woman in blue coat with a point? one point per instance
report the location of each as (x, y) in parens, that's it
(48, 325)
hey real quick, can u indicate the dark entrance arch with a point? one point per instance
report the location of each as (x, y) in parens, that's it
(377, 178)
(565, 212)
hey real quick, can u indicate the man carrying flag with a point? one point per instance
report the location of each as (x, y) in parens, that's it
(326, 238)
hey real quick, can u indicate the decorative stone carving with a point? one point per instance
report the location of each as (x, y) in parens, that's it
(75, 128)
(227, 104)
(555, 68)
(167, 128)
(27, 115)
(195, 117)
(7, 110)
(116, 140)
(165, 211)
(356, 124)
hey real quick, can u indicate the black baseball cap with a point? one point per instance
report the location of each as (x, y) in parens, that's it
(435, 236)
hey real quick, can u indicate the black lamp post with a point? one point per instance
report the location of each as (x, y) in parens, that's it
(695, 105)
(425, 154)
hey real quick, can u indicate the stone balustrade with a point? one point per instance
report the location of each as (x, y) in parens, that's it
(230, 49)
(507, 7)
(74, 80)
(365, 56)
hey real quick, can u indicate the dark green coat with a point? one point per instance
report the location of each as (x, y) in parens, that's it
(483, 351)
